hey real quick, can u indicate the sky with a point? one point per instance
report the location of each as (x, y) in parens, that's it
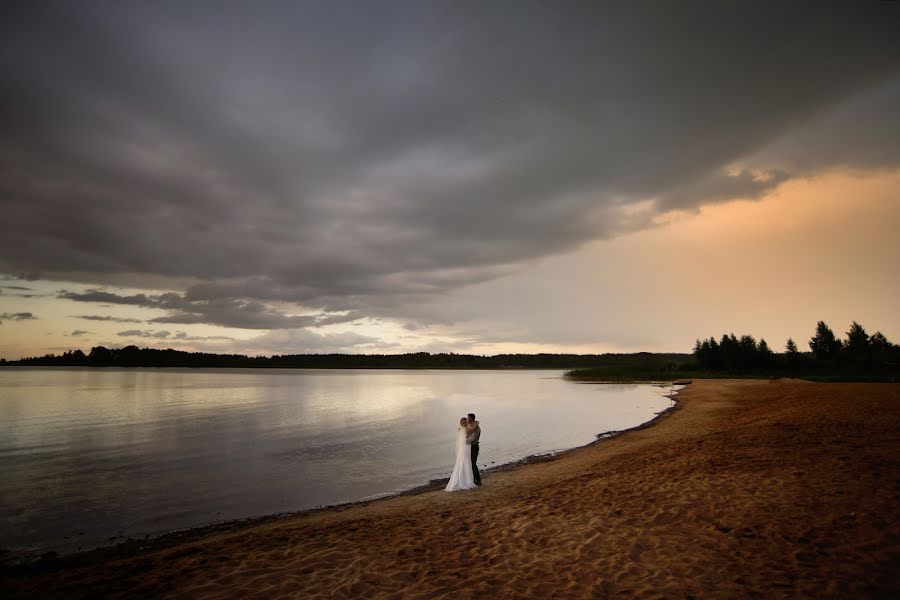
(383, 177)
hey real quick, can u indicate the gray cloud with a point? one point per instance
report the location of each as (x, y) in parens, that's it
(16, 287)
(21, 276)
(183, 336)
(144, 333)
(718, 187)
(281, 341)
(19, 316)
(364, 157)
(108, 318)
(110, 298)
(228, 312)
(300, 341)
(861, 133)
(78, 332)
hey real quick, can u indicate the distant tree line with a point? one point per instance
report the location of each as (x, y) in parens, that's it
(132, 356)
(858, 357)
(733, 354)
(858, 353)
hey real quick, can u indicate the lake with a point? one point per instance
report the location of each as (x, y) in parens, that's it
(90, 456)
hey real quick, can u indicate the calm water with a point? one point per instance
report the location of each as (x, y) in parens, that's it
(90, 454)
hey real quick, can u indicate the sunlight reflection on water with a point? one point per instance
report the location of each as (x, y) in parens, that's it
(90, 454)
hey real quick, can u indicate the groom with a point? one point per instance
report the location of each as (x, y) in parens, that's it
(472, 440)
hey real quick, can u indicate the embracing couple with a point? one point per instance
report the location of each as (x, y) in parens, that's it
(465, 473)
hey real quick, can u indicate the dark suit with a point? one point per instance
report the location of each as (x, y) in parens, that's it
(472, 439)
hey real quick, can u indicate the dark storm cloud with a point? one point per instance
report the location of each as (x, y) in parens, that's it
(365, 155)
(861, 133)
(718, 187)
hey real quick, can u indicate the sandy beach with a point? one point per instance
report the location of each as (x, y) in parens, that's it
(747, 489)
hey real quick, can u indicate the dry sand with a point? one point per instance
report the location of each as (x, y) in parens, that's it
(749, 488)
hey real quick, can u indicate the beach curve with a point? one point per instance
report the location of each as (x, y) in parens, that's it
(751, 487)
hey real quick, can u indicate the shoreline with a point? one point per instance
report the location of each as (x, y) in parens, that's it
(131, 546)
(744, 488)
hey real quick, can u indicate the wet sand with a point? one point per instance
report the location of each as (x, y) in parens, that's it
(747, 489)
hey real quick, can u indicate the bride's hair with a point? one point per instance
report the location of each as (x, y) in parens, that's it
(463, 422)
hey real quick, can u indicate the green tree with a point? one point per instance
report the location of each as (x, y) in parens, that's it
(879, 343)
(715, 355)
(748, 353)
(728, 351)
(857, 340)
(100, 355)
(824, 345)
(764, 354)
(790, 348)
(792, 354)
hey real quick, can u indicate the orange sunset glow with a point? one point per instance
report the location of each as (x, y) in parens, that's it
(451, 299)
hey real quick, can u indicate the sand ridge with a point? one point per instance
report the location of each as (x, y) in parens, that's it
(748, 489)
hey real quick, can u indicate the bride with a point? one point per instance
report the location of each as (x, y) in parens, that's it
(462, 477)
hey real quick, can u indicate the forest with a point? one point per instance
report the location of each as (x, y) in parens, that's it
(857, 357)
(132, 356)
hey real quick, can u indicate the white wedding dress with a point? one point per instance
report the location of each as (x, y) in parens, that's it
(462, 477)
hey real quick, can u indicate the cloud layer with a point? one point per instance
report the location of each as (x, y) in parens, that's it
(108, 318)
(228, 312)
(356, 159)
(19, 316)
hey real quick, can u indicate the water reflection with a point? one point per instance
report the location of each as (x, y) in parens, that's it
(95, 453)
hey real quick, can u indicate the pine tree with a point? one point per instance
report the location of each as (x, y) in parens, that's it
(790, 348)
(857, 339)
(792, 353)
(764, 354)
(824, 345)
(879, 343)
